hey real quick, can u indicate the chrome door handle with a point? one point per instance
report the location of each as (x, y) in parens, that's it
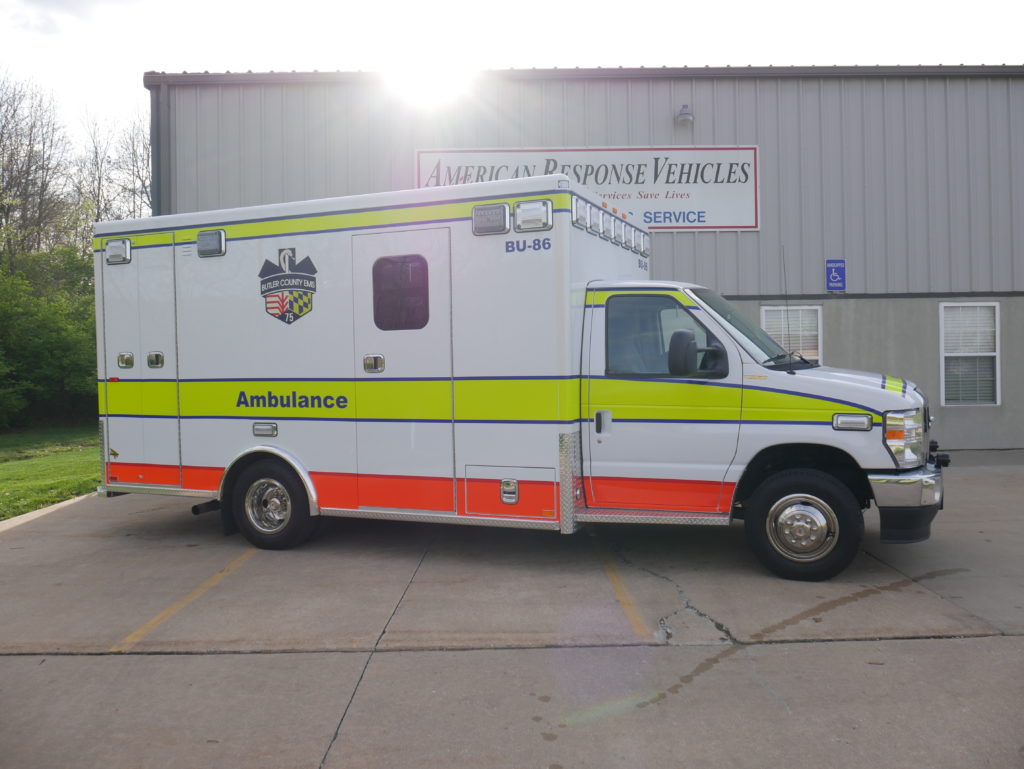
(373, 364)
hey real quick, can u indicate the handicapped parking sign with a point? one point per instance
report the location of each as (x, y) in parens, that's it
(835, 274)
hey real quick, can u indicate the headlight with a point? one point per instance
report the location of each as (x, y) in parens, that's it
(904, 436)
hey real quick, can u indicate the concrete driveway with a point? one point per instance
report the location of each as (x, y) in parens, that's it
(133, 634)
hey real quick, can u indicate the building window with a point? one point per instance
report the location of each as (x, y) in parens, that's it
(797, 328)
(400, 293)
(970, 353)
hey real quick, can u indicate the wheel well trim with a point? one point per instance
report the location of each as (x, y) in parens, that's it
(286, 457)
(753, 465)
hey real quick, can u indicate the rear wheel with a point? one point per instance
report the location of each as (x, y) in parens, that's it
(804, 524)
(271, 506)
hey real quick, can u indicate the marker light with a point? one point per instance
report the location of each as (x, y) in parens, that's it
(119, 251)
(851, 421)
(211, 243)
(638, 241)
(580, 212)
(620, 231)
(491, 219)
(533, 215)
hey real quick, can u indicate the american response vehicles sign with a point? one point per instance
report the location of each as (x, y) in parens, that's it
(663, 188)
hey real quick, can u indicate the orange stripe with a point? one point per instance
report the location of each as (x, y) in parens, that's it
(477, 496)
(350, 491)
(336, 490)
(202, 478)
(661, 494)
(406, 493)
(482, 496)
(154, 475)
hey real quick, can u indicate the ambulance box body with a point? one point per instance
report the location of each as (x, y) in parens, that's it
(489, 354)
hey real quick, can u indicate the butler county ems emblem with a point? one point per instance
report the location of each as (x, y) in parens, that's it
(288, 287)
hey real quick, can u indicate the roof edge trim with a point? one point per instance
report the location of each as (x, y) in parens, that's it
(155, 79)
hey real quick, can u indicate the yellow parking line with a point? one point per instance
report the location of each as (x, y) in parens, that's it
(130, 640)
(629, 607)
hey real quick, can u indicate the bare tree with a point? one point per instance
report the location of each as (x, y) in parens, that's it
(33, 172)
(133, 171)
(49, 199)
(92, 176)
(111, 175)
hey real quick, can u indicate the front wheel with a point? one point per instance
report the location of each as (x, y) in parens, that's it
(804, 525)
(271, 506)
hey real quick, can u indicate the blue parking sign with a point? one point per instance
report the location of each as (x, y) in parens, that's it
(835, 274)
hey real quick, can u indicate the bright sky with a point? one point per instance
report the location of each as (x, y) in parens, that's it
(91, 54)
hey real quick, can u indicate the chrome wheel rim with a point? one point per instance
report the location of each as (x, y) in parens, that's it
(802, 527)
(268, 506)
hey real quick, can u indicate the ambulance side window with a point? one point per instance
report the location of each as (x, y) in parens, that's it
(637, 334)
(400, 293)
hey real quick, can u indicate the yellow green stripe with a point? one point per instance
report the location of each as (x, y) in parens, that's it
(545, 400)
(548, 400)
(894, 384)
(693, 401)
(599, 298)
(403, 400)
(638, 399)
(767, 406)
(329, 221)
(140, 398)
(501, 400)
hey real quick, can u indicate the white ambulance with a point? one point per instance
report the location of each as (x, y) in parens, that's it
(489, 354)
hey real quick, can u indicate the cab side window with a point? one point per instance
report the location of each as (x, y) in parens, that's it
(638, 330)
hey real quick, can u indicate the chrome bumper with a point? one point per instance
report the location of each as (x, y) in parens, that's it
(907, 502)
(918, 488)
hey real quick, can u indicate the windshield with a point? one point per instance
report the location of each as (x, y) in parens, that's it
(756, 336)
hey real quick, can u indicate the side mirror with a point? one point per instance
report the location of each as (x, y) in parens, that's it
(716, 361)
(682, 353)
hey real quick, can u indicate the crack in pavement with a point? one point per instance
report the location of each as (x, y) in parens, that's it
(369, 657)
(688, 604)
(836, 603)
(761, 637)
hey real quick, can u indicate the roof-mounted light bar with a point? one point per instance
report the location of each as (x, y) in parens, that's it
(538, 215)
(580, 212)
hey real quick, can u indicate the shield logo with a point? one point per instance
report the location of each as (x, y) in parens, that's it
(288, 287)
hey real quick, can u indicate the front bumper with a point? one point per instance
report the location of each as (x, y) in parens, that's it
(907, 502)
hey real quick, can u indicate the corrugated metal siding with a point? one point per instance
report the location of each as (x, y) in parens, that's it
(915, 181)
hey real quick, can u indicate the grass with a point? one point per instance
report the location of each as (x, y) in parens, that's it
(46, 465)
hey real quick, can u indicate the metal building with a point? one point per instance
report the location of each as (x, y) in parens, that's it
(888, 214)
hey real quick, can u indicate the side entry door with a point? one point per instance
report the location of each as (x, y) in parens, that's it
(139, 383)
(403, 389)
(658, 441)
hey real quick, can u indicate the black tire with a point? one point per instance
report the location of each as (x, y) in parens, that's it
(804, 525)
(271, 506)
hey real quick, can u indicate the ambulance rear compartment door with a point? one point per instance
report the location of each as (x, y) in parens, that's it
(141, 367)
(403, 389)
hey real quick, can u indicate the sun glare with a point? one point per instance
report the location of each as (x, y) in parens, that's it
(429, 88)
